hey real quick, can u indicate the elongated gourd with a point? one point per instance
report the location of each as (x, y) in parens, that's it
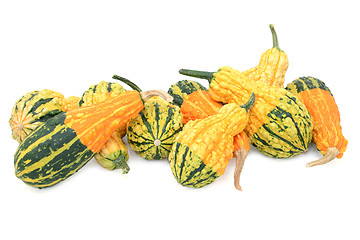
(280, 125)
(32, 110)
(320, 102)
(203, 149)
(152, 133)
(196, 103)
(272, 66)
(114, 154)
(65, 143)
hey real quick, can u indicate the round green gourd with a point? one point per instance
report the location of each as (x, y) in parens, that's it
(152, 133)
(32, 110)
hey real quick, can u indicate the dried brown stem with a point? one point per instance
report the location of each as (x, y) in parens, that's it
(151, 93)
(240, 160)
(331, 153)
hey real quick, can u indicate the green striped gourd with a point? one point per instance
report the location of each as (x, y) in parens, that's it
(32, 110)
(62, 145)
(280, 126)
(152, 133)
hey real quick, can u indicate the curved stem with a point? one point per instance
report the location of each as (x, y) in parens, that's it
(240, 160)
(198, 74)
(249, 103)
(127, 82)
(120, 162)
(274, 37)
(331, 153)
(151, 93)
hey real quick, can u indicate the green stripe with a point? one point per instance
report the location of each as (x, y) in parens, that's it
(183, 160)
(169, 116)
(32, 95)
(188, 169)
(146, 123)
(175, 160)
(62, 162)
(157, 118)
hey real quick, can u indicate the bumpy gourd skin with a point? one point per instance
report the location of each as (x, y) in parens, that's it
(203, 149)
(199, 105)
(272, 66)
(114, 153)
(321, 104)
(70, 103)
(280, 125)
(196, 103)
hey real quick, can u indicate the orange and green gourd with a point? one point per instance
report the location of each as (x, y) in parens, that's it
(280, 125)
(320, 102)
(272, 66)
(32, 110)
(65, 143)
(152, 133)
(203, 149)
(196, 103)
(114, 153)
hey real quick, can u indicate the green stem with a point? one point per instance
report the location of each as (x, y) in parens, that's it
(120, 162)
(127, 82)
(249, 103)
(198, 74)
(274, 37)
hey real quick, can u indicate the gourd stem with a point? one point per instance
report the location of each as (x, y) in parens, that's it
(240, 160)
(127, 82)
(274, 37)
(249, 103)
(331, 153)
(198, 74)
(120, 162)
(151, 93)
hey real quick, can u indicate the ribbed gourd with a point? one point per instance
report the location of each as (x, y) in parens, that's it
(280, 126)
(114, 153)
(272, 66)
(32, 110)
(203, 149)
(65, 143)
(320, 102)
(152, 133)
(196, 103)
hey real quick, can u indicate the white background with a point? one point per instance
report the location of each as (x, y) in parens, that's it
(67, 46)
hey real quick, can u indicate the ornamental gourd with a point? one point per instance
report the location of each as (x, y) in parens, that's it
(196, 103)
(272, 66)
(280, 125)
(70, 103)
(65, 143)
(32, 110)
(203, 149)
(152, 133)
(114, 154)
(320, 102)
